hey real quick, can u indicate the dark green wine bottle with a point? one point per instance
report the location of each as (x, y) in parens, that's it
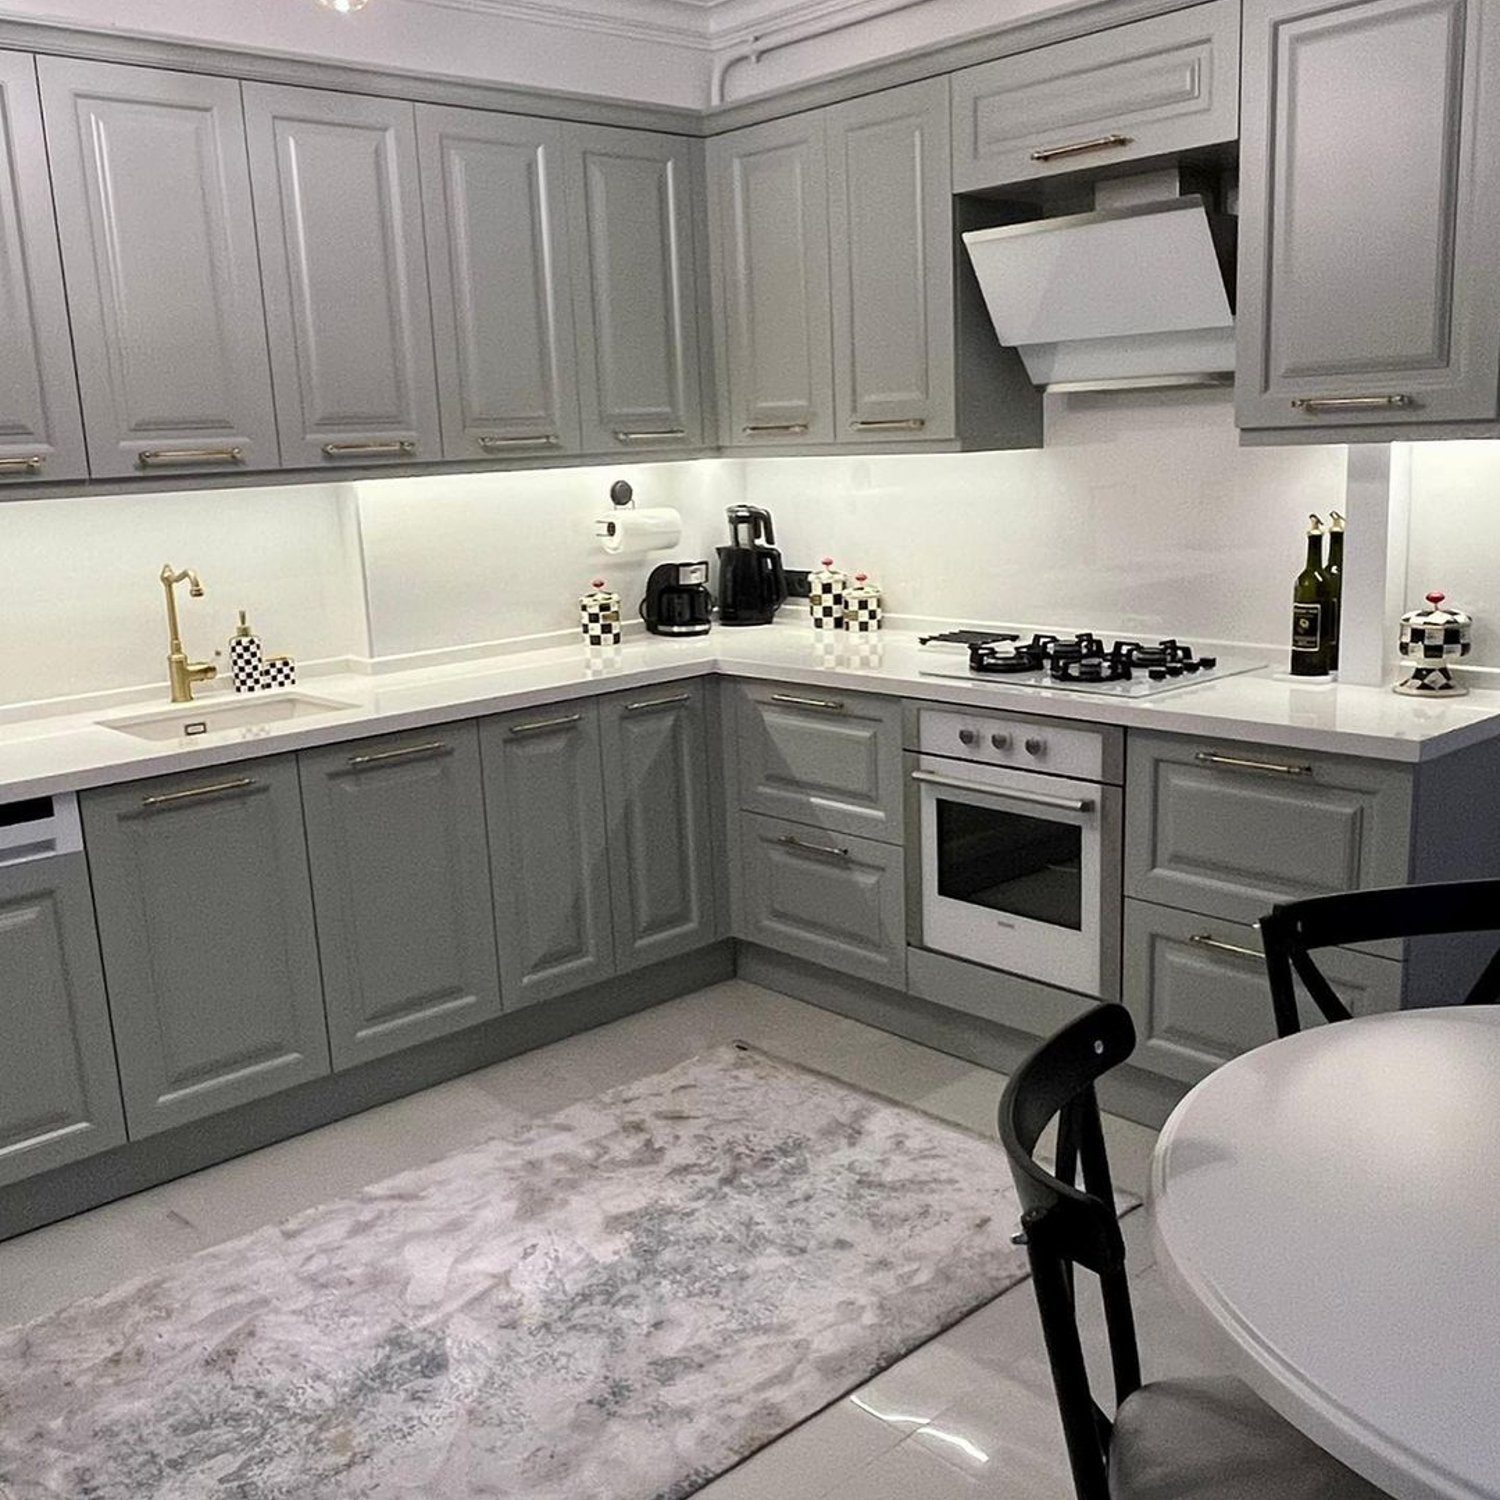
(1312, 641)
(1334, 569)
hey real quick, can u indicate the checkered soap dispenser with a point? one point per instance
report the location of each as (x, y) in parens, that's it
(245, 657)
(862, 611)
(826, 597)
(599, 616)
(1430, 639)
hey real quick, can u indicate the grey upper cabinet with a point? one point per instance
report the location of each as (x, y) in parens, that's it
(1153, 87)
(497, 254)
(400, 877)
(59, 1092)
(770, 239)
(661, 855)
(632, 201)
(1369, 214)
(41, 432)
(891, 218)
(544, 797)
(206, 927)
(158, 237)
(339, 211)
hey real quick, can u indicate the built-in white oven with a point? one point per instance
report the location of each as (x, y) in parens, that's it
(1019, 839)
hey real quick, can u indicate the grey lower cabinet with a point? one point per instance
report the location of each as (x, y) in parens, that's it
(770, 237)
(338, 208)
(632, 205)
(828, 898)
(1196, 988)
(152, 187)
(41, 429)
(1369, 213)
(661, 850)
(401, 888)
(59, 1091)
(544, 800)
(497, 255)
(206, 928)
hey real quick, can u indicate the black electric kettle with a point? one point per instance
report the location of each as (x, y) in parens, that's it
(752, 582)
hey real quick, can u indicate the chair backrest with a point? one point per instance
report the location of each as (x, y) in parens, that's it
(1297, 929)
(1066, 1224)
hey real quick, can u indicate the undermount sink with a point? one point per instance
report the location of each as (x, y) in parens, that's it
(189, 720)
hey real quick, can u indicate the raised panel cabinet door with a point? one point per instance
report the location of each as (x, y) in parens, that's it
(1369, 214)
(631, 209)
(158, 238)
(769, 186)
(400, 879)
(544, 797)
(890, 207)
(41, 431)
(59, 1091)
(339, 209)
(497, 254)
(206, 927)
(661, 854)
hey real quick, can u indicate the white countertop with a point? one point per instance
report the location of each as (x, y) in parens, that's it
(69, 752)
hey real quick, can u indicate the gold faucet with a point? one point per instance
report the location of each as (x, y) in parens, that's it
(184, 673)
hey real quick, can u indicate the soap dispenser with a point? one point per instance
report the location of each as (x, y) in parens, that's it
(245, 657)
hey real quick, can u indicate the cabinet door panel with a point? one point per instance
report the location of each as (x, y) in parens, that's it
(59, 1091)
(400, 876)
(206, 927)
(158, 235)
(660, 842)
(770, 189)
(891, 218)
(630, 221)
(340, 218)
(497, 251)
(1369, 211)
(544, 794)
(41, 432)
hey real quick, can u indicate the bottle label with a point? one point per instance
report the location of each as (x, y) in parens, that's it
(1307, 627)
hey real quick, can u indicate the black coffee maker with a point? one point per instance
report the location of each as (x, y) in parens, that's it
(752, 583)
(677, 600)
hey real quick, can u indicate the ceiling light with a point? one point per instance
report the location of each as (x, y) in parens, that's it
(343, 7)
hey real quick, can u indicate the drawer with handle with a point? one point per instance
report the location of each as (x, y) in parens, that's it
(1196, 988)
(827, 759)
(1230, 829)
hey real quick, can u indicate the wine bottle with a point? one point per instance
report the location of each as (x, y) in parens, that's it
(1311, 640)
(1334, 568)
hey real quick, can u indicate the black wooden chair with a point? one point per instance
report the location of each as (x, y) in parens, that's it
(1293, 932)
(1200, 1439)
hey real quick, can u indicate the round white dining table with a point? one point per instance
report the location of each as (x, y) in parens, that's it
(1331, 1202)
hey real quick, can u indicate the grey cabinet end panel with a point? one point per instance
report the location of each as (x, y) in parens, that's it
(206, 928)
(59, 1091)
(400, 876)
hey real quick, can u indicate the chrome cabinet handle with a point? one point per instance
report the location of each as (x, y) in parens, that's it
(1082, 148)
(217, 789)
(1208, 940)
(407, 752)
(762, 429)
(536, 440)
(832, 851)
(1234, 763)
(890, 424)
(396, 448)
(161, 458)
(1035, 799)
(1317, 405)
(541, 724)
(28, 465)
(650, 703)
(823, 705)
(663, 435)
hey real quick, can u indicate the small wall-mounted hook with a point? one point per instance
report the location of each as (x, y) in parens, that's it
(622, 492)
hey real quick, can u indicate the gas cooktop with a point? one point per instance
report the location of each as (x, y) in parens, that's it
(1082, 663)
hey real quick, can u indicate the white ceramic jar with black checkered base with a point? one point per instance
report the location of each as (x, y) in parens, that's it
(1430, 639)
(827, 588)
(599, 616)
(862, 611)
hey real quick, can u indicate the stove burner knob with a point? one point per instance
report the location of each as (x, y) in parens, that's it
(1000, 741)
(967, 737)
(1157, 674)
(1208, 663)
(1036, 747)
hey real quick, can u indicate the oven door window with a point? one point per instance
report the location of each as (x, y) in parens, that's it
(1011, 862)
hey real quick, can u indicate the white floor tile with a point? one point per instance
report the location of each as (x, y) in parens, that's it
(913, 1472)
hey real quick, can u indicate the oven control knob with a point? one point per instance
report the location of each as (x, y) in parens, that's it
(1036, 747)
(1000, 741)
(967, 737)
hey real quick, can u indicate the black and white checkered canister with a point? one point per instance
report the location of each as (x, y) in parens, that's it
(862, 611)
(278, 672)
(826, 590)
(599, 616)
(1436, 634)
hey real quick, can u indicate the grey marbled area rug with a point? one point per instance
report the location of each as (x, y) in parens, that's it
(615, 1303)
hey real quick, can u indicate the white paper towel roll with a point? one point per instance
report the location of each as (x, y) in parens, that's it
(630, 531)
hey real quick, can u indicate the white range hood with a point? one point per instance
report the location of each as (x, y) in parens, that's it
(1121, 297)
